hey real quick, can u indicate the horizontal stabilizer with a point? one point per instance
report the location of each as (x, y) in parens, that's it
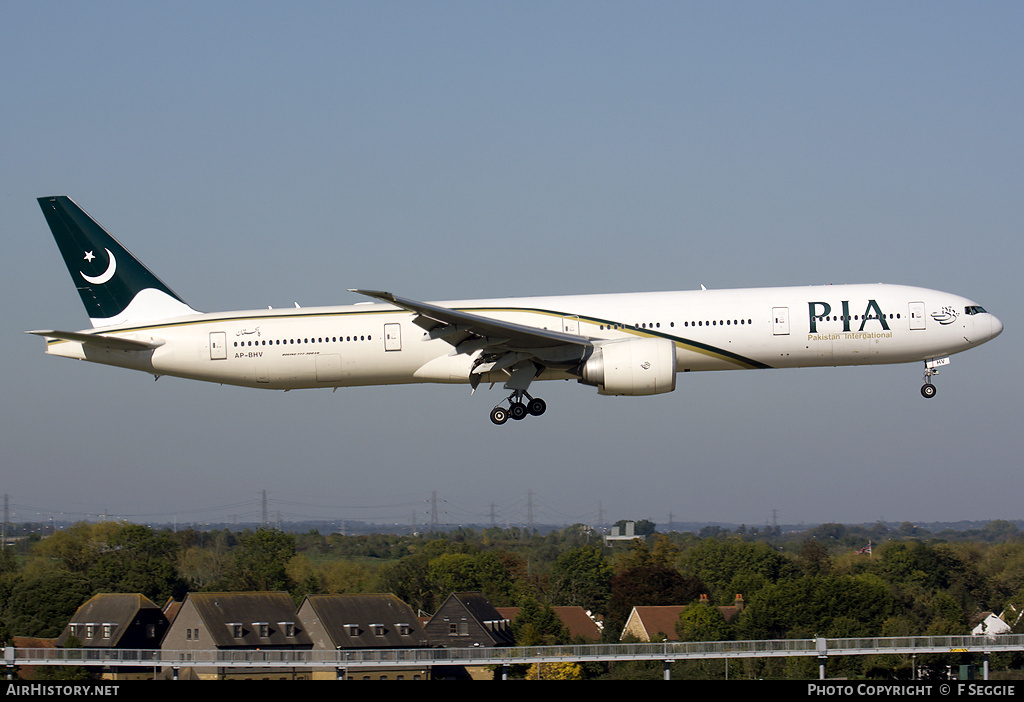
(105, 341)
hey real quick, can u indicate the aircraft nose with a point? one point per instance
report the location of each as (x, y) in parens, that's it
(997, 327)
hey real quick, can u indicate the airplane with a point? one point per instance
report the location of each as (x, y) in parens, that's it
(631, 344)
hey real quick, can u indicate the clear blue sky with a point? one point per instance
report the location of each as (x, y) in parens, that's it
(260, 154)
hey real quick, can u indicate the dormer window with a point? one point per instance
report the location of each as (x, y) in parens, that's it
(237, 630)
(404, 630)
(263, 628)
(378, 629)
(352, 629)
(288, 628)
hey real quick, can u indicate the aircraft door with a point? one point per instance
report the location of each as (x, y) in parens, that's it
(392, 337)
(917, 320)
(780, 321)
(218, 346)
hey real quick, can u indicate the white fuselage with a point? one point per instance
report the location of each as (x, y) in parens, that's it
(378, 344)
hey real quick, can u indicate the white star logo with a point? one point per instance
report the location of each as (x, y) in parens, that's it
(89, 256)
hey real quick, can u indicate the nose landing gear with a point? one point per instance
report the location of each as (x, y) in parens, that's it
(931, 368)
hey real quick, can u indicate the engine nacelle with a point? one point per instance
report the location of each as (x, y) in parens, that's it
(632, 367)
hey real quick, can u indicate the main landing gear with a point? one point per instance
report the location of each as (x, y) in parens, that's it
(518, 409)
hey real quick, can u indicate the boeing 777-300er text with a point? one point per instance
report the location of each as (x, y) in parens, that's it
(622, 344)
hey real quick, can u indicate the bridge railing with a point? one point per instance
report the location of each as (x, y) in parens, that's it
(423, 657)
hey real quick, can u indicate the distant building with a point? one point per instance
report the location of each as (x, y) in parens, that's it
(579, 623)
(28, 672)
(237, 621)
(467, 619)
(650, 623)
(353, 623)
(117, 620)
(625, 533)
(988, 624)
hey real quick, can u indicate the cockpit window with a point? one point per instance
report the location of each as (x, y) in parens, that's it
(974, 309)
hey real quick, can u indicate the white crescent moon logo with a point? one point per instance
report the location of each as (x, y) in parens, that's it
(106, 275)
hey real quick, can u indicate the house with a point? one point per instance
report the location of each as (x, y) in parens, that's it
(579, 623)
(658, 622)
(348, 623)
(28, 672)
(988, 624)
(237, 621)
(117, 620)
(467, 619)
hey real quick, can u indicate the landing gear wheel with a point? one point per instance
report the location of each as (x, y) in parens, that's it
(520, 406)
(928, 390)
(499, 415)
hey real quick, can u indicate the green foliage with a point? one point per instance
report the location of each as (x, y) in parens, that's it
(42, 605)
(702, 622)
(261, 561)
(731, 567)
(137, 559)
(806, 584)
(820, 605)
(647, 577)
(538, 625)
(581, 577)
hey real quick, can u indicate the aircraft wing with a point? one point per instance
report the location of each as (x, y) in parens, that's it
(104, 341)
(458, 327)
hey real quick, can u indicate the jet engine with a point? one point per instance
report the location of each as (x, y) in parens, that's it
(644, 366)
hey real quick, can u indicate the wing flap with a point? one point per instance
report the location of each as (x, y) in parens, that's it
(449, 323)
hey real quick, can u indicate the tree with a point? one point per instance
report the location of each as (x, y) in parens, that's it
(728, 568)
(261, 561)
(137, 559)
(408, 578)
(42, 605)
(581, 577)
(813, 558)
(465, 572)
(702, 622)
(653, 584)
(79, 546)
(808, 606)
(555, 671)
(538, 625)
(202, 567)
